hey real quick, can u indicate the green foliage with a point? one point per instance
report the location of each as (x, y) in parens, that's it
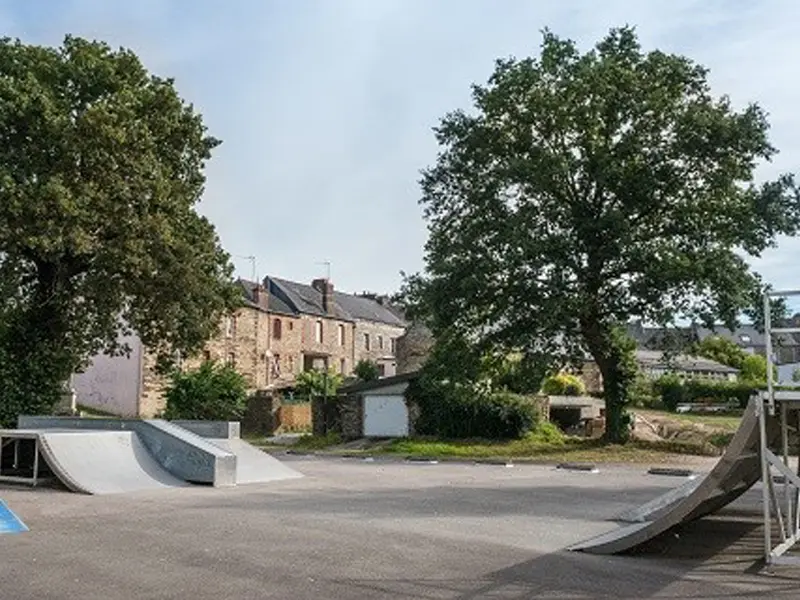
(101, 168)
(796, 375)
(568, 201)
(722, 350)
(460, 411)
(366, 370)
(754, 369)
(318, 383)
(643, 394)
(674, 391)
(546, 433)
(563, 384)
(212, 392)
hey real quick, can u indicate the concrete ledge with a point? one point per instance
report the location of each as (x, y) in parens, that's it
(225, 430)
(184, 454)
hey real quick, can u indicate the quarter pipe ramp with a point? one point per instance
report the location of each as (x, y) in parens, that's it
(735, 473)
(97, 462)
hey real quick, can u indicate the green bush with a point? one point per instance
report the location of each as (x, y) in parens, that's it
(212, 392)
(563, 384)
(673, 391)
(643, 393)
(367, 370)
(460, 411)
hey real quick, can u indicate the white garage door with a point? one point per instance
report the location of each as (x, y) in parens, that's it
(385, 416)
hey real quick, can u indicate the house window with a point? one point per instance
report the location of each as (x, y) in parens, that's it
(318, 332)
(275, 365)
(380, 342)
(291, 364)
(276, 329)
(341, 334)
(393, 345)
(206, 356)
(381, 370)
(342, 366)
(291, 326)
(366, 341)
(231, 360)
(230, 326)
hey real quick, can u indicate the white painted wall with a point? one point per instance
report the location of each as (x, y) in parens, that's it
(385, 416)
(111, 384)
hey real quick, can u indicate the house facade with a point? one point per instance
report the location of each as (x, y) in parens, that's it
(282, 329)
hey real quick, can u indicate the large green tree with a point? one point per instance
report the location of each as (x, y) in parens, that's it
(586, 189)
(101, 166)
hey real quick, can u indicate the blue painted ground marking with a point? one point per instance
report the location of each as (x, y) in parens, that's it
(9, 522)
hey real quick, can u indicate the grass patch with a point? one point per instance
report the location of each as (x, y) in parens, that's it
(727, 422)
(317, 442)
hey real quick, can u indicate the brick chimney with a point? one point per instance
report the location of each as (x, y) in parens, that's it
(260, 295)
(324, 287)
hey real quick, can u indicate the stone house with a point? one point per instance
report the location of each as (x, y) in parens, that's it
(281, 329)
(341, 329)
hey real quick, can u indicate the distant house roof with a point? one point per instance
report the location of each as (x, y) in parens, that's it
(748, 336)
(306, 299)
(655, 359)
(366, 309)
(274, 303)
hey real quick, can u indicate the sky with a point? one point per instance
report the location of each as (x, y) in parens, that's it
(326, 108)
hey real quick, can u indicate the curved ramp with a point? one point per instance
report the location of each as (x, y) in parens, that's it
(254, 465)
(102, 462)
(735, 473)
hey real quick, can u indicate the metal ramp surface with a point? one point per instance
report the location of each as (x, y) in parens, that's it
(735, 473)
(92, 461)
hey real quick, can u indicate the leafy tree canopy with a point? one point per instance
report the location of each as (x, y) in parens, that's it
(722, 350)
(586, 189)
(212, 392)
(101, 166)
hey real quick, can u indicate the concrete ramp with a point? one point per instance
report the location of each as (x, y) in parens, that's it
(254, 465)
(99, 462)
(735, 473)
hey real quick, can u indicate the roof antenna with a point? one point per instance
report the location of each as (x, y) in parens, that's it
(252, 260)
(327, 265)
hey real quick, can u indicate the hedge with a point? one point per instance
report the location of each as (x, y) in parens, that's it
(458, 411)
(673, 391)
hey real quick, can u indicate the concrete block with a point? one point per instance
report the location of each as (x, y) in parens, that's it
(227, 430)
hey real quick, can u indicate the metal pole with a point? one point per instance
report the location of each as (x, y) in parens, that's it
(768, 343)
(35, 460)
(765, 476)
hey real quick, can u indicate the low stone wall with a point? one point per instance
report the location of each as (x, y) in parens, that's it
(340, 414)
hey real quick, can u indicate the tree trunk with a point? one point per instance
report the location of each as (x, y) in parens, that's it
(612, 351)
(615, 394)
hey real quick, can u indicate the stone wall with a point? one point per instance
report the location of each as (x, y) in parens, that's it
(338, 354)
(286, 345)
(341, 414)
(382, 342)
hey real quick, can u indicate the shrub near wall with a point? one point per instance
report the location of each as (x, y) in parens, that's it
(459, 411)
(673, 391)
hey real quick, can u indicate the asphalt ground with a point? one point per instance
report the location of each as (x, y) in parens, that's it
(384, 530)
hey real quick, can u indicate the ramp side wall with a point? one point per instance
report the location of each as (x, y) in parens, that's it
(211, 429)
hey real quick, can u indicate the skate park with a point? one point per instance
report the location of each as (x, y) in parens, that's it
(163, 509)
